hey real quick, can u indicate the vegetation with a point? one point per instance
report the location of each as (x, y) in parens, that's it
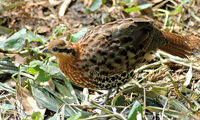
(33, 88)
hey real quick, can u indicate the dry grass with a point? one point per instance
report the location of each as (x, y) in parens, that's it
(166, 88)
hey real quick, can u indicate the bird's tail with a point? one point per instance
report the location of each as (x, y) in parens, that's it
(177, 45)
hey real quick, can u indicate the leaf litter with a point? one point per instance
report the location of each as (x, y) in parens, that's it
(172, 92)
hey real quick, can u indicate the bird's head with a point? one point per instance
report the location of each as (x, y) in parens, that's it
(60, 49)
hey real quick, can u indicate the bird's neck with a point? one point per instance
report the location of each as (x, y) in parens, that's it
(65, 60)
(68, 63)
(69, 59)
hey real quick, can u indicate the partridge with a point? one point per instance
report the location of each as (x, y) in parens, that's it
(106, 56)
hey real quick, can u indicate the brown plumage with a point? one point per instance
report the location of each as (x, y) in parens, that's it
(177, 45)
(107, 55)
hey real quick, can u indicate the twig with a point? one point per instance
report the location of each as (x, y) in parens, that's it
(145, 100)
(26, 51)
(93, 106)
(99, 116)
(63, 7)
(151, 73)
(22, 73)
(125, 108)
(163, 111)
(147, 66)
(178, 92)
(166, 17)
(2, 97)
(177, 60)
(119, 116)
(195, 17)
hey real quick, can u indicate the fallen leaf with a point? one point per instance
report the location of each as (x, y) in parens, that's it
(27, 101)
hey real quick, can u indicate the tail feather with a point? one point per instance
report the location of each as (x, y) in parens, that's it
(177, 45)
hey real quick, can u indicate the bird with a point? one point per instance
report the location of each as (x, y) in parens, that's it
(107, 55)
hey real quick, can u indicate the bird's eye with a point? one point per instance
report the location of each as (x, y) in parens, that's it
(55, 49)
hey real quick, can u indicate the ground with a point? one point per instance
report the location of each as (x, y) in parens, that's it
(32, 80)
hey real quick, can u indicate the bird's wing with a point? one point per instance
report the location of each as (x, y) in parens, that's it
(116, 46)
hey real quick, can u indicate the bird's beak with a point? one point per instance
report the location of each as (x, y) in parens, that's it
(45, 50)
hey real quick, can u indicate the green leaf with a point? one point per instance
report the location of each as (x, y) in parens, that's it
(96, 4)
(7, 88)
(52, 70)
(43, 76)
(168, 112)
(5, 59)
(160, 90)
(36, 116)
(42, 70)
(33, 67)
(78, 35)
(5, 30)
(48, 68)
(7, 107)
(150, 101)
(11, 6)
(104, 1)
(178, 9)
(178, 105)
(65, 92)
(71, 89)
(30, 36)
(133, 9)
(135, 108)
(44, 99)
(118, 100)
(15, 42)
(35, 50)
(80, 115)
(32, 71)
(35, 63)
(59, 30)
(138, 8)
(48, 101)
